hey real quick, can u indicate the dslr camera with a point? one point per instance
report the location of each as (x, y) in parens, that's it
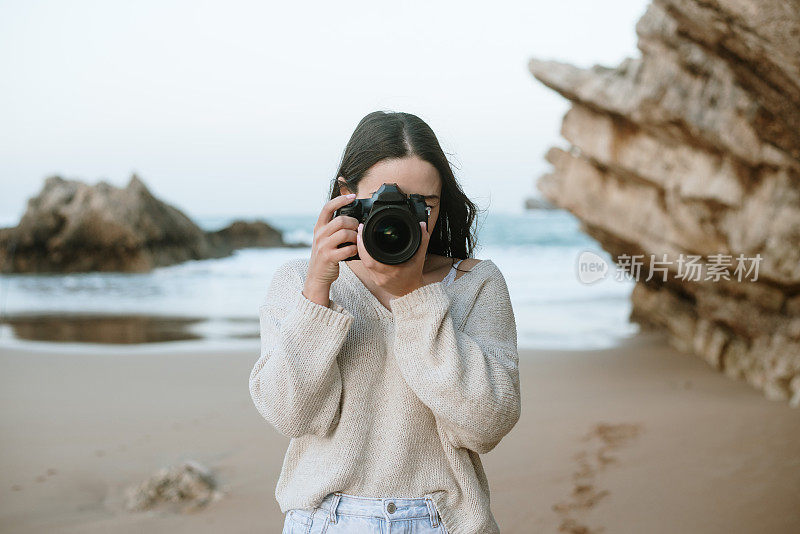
(391, 232)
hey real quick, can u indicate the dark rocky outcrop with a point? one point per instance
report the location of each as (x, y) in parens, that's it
(71, 226)
(241, 234)
(694, 149)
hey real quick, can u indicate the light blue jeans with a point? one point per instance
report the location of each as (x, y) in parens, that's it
(340, 513)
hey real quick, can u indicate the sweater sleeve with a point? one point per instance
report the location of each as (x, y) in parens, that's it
(296, 384)
(469, 379)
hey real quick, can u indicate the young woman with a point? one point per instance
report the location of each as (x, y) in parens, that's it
(390, 380)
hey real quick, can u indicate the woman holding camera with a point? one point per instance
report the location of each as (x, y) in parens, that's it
(390, 379)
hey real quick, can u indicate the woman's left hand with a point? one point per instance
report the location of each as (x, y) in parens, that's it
(397, 279)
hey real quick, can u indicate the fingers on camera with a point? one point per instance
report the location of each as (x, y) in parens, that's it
(345, 252)
(343, 236)
(331, 206)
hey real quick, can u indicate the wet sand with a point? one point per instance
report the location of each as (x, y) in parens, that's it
(122, 329)
(639, 438)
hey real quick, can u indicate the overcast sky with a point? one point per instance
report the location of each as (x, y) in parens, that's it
(244, 108)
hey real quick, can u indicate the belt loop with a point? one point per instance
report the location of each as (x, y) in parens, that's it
(431, 510)
(336, 496)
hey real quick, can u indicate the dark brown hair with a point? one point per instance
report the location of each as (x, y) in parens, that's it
(389, 134)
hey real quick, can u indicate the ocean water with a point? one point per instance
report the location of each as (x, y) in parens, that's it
(537, 252)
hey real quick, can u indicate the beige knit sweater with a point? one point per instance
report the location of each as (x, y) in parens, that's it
(389, 402)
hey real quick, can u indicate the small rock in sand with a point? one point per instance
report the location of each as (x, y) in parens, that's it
(190, 484)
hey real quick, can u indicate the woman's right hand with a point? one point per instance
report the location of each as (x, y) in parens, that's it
(329, 232)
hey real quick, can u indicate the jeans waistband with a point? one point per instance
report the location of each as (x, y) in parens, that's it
(388, 508)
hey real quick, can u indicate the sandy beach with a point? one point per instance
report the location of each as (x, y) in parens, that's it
(638, 438)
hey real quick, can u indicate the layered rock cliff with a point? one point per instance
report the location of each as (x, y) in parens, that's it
(694, 149)
(71, 226)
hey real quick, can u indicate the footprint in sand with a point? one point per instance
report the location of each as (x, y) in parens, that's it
(601, 441)
(50, 472)
(39, 478)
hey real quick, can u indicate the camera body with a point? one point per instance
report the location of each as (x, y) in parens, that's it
(391, 218)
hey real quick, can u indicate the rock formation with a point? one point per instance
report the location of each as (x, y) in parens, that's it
(71, 226)
(694, 149)
(188, 487)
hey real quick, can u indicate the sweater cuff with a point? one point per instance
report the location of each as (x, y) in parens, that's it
(429, 297)
(335, 315)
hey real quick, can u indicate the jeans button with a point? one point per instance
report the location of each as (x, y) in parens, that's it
(391, 507)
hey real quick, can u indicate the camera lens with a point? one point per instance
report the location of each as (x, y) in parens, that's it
(392, 235)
